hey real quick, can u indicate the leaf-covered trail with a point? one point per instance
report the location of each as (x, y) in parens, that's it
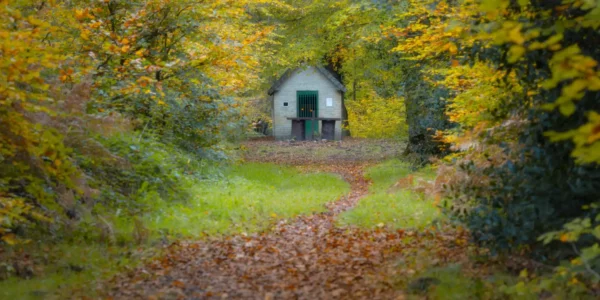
(304, 258)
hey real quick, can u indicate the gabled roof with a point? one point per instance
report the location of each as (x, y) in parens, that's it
(329, 75)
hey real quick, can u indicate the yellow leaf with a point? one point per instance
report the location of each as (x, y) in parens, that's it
(536, 46)
(515, 53)
(555, 47)
(85, 34)
(594, 134)
(567, 109)
(452, 48)
(554, 39)
(494, 5)
(594, 83)
(523, 273)
(515, 35)
(10, 239)
(80, 14)
(574, 88)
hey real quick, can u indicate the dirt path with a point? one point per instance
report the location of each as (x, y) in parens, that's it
(304, 258)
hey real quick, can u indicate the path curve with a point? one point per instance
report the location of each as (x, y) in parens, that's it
(304, 258)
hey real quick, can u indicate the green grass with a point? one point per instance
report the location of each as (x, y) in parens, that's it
(73, 266)
(398, 210)
(385, 174)
(392, 208)
(248, 198)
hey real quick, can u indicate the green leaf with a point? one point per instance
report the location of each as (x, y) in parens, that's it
(567, 109)
(523, 3)
(515, 53)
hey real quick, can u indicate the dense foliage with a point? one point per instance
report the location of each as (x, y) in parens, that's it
(75, 75)
(522, 85)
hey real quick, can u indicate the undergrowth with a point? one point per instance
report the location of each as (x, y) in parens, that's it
(55, 271)
(452, 282)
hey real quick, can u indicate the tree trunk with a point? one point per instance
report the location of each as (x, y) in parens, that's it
(425, 115)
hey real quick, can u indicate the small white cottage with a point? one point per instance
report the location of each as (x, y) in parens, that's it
(307, 104)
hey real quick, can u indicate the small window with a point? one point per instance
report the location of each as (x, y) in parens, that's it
(329, 102)
(285, 104)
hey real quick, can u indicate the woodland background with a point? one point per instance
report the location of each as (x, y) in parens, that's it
(112, 111)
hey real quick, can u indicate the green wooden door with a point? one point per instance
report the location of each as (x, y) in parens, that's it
(308, 104)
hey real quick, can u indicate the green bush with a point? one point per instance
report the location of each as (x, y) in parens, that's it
(539, 187)
(538, 191)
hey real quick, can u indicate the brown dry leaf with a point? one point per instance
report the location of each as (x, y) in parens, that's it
(178, 283)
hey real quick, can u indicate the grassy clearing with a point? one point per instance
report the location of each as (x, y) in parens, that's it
(398, 210)
(394, 208)
(251, 197)
(247, 198)
(385, 174)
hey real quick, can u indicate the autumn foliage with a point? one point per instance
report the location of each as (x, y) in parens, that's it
(75, 73)
(108, 107)
(522, 85)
